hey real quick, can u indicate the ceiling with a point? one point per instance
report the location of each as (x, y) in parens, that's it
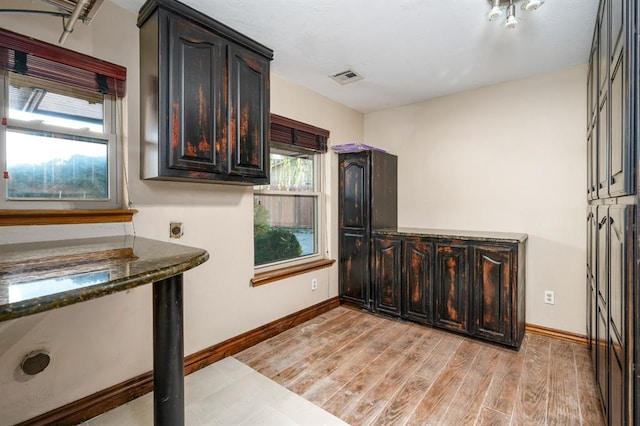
(407, 50)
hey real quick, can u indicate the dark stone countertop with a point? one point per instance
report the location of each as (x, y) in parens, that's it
(40, 276)
(447, 233)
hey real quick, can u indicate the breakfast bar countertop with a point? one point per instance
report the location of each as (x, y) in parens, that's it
(40, 276)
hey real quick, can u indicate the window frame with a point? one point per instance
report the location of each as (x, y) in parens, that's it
(319, 210)
(110, 136)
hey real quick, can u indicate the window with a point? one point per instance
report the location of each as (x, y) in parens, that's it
(288, 213)
(58, 138)
(59, 145)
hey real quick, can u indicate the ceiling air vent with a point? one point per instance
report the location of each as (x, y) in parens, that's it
(346, 77)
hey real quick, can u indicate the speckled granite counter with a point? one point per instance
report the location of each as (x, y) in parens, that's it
(447, 233)
(37, 277)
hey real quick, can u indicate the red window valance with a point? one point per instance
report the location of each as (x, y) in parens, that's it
(31, 57)
(295, 133)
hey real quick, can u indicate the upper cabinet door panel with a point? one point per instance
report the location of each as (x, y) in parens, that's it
(249, 113)
(620, 179)
(616, 39)
(604, 45)
(603, 148)
(197, 76)
(354, 201)
(593, 88)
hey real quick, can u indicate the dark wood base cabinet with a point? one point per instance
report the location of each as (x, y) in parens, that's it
(472, 284)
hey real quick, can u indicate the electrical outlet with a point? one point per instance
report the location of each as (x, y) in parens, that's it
(549, 298)
(175, 229)
(314, 284)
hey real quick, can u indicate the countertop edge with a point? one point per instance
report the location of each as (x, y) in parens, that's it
(453, 234)
(46, 303)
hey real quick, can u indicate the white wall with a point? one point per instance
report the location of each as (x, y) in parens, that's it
(510, 157)
(102, 342)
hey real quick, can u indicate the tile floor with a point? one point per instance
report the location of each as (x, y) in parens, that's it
(227, 393)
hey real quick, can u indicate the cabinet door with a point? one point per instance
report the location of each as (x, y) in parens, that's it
(603, 44)
(616, 391)
(594, 98)
(602, 281)
(590, 185)
(603, 147)
(620, 263)
(593, 318)
(492, 293)
(354, 191)
(620, 180)
(354, 267)
(248, 115)
(418, 281)
(602, 360)
(452, 288)
(196, 85)
(387, 274)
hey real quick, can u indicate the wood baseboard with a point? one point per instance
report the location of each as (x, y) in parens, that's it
(110, 398)
(557, 334)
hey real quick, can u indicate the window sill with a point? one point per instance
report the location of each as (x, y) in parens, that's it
(64, 217)
(263, 278)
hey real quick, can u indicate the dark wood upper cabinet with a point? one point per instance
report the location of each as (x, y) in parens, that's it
(204, 98)
(451, 288)
(248, 95)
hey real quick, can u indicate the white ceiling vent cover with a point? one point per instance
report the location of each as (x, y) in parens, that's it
(346, 77)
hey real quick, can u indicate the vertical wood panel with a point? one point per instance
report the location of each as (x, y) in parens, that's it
(451, 288)
(418, 281)
(386, 275)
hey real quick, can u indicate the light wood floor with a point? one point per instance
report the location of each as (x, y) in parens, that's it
(368, 370)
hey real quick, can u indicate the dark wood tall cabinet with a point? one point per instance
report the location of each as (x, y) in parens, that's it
(367, 200)
(204, 98)
(612, 285)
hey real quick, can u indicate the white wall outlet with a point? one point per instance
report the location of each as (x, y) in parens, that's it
(314, 284)
(175, 229)
(549, 298)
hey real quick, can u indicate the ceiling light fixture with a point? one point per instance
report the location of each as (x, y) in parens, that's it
(496, 11)
(532, 4)
(498, 8)
(511, 22)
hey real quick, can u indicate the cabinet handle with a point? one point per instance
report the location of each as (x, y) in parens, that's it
(602, 222)
(612, 180)
(601, 185)
(593, 189)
